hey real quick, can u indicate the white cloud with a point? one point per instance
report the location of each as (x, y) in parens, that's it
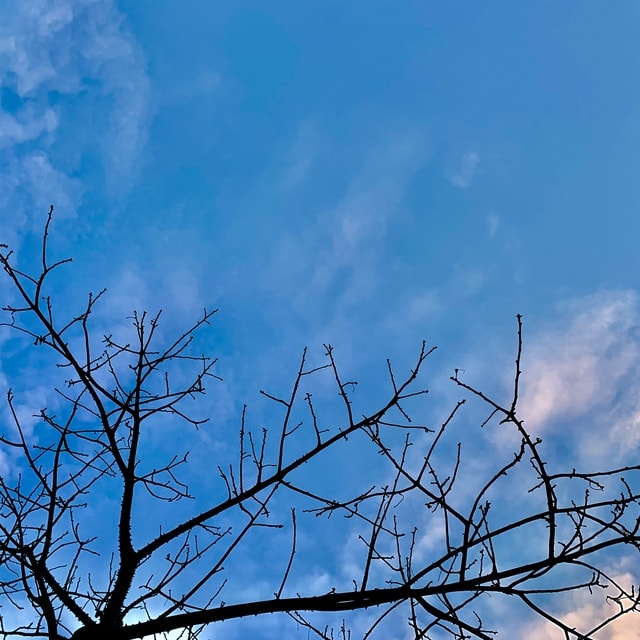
(78, 87)
(493, 222)
(204, 84)
(47, 185)
(300, 157)
(28, 124)
(625, 428)
(30, 28)
(465, 171)
(422, 306)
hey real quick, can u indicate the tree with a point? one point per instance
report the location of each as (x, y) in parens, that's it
(61, 576)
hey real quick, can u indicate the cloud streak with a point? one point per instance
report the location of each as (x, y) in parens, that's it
(342, 251)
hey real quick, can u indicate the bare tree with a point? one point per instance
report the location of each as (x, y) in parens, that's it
(63, 575)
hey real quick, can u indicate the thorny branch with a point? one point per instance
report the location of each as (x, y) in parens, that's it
(431, 542)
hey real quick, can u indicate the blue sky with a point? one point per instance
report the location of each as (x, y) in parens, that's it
(362, 174)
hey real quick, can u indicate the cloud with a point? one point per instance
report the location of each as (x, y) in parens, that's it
(26, 25)
(585, 615)
(28, 124)
(341, 250)
(581, 376)
(300, 157)
(45, 185)
(204, 84)
(467, 168)
(421, 306)
(580, 363)
(74, 90)
(493, 222)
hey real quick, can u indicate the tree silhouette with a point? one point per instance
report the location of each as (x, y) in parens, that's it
(62, 575)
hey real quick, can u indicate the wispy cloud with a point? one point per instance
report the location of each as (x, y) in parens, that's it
(465, 169)
(75, 90)
(341, 251)
(29, 123)
(583, 367)
(493, 222)
(300, 157)
(203, 85)
(586, 615)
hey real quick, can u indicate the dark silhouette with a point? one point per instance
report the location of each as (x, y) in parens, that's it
(64, 576)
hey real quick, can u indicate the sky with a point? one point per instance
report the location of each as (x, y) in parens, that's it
(361, 174)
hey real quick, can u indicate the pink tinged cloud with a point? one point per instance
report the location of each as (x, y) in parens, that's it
(582, 363)
(584, 616)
